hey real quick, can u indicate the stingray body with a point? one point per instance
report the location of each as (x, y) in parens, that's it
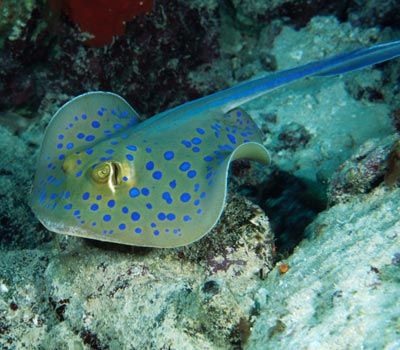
(104, 175)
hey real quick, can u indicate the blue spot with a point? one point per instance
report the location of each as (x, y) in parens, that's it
(89, 151)
(145, 191)
(196, 187)
(94, 223)
(148, 150)
(153, 224)
(80, 135)
(84, 116)
(187, 218)
(130, 157)
(95, 124)
(60, 145)
(79, 173)
(110, 151)
(167, 197)
(138, 230)
(184, 166)
(200, 131)
(196, 140)
(239, 113)
(196, 202)
(171, 217)
(156, 232)
(169, 155)
(203, 195)
(172, 184)
(125, 210)
(99, 196)
(161, 216)
(185, 197)
(149, 206)
(157, 175)
(186, 143)
(134, 192)
(122, 227)
(191, 174)
(94, 207)
(70, 145)
(196, 149)
(131, 147)
(60, 136)
(199, 211)
(53, 196)
(125, 179)
(78, 161)
(100, 112)
(150, 165)
(209, 175)
(135, 216)
(61, 156)
(68, 206)
(111, 203)
(67, 194)
(114, 142)
(89, 138)
(118, 126)
(232, 138)
(107, 217)
(208, 158)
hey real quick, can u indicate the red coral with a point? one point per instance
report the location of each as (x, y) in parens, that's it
(102, 18)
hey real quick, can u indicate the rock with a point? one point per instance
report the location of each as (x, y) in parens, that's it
(342, 278)
(335, 123)
(18, 224)
(110, 297)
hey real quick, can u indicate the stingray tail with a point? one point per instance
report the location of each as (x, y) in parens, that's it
(233, 97)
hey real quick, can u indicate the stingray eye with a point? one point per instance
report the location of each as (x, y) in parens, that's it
(101, 173)
(107, 172)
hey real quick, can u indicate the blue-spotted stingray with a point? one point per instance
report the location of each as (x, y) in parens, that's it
(162, 182)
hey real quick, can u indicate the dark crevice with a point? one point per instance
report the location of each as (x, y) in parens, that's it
(290, 204)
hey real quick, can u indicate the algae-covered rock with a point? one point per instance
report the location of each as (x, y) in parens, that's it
(254, 13)
(367, 168)
(14, 16)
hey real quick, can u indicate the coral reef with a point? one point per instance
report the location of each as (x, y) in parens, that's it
(158, 51)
